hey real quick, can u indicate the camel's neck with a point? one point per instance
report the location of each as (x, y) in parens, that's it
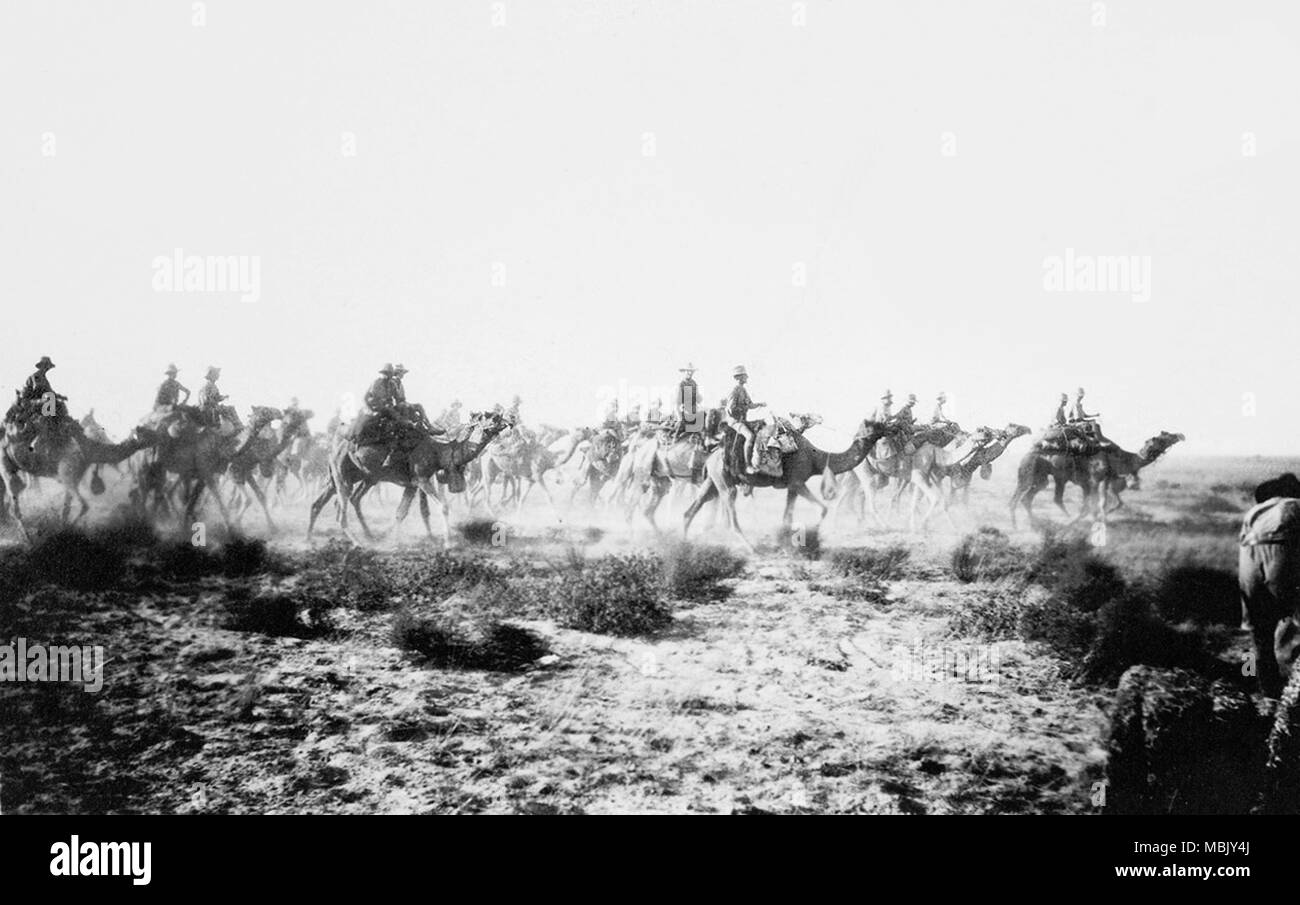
(470, 448)
(840, 462)
(984, 456)
(110, 453)
(253, 432)
(286, 438)
(1131, 462)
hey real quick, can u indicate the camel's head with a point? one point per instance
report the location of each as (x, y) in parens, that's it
(1013, 430)
(804, 420)
(604, 444)
(295, 423)
(982, 435)
(484, 426)
(872, 431)
(1159, 444)
(262, 415)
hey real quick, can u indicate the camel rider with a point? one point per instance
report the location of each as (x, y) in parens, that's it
(686, 406)
(38, 395)
(382, 421)
(736, 411)
(449, 420)
(211, 397)
(382, 395)
(1079, 414)
(1059, 419)
(655, 413)
(1085, 422)
(904, 417)
(413, 412)
(170, 390)
(611, 421)
(885, 410)
(939, 417)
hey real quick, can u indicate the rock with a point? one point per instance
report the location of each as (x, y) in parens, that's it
(216, 680)
(201, 652)
(1180, 743)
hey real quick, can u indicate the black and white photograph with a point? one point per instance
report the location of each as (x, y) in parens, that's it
(650, 407)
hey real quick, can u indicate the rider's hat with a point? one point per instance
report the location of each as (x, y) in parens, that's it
(888, 395)
(213, 372)
(172, 370)
(739, 371)
(942, 397)
(1080, 391)
(399, 369)
(911, 397)
(690, 367)
(387, 369)
(44, 364)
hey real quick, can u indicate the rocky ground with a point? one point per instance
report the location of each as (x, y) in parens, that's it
(776, 695)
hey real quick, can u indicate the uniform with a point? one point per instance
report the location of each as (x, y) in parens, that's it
(736, 411)
(169, 393)
(1268, 578)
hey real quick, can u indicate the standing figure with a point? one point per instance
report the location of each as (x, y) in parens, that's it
(1268, 577)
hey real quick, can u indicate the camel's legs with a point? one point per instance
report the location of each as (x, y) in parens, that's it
(794, 492)
(355, 498)
(654, 495)
(1058, 496)
(430, 488)
(708, 492)
(261, 498)
(15, 483)
(424, 514)
(318, 505)
(403, 507)
(550, 497)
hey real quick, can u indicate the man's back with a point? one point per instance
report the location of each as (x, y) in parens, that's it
(1273, 521)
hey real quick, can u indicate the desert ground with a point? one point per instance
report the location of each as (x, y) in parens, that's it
(556, 660)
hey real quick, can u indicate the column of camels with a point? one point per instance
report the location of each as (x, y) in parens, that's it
(172, 467)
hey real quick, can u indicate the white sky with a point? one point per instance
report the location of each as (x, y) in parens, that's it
(774, 144)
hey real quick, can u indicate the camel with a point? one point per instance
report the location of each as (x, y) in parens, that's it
(725, 472)
(602, 452)
(652, 466)
(652, 469)
(889, 461)
(306, 461)
(1107, 470)
(197, 454)
(66, 459)
(958, 463)
(433, 461)
(261, 454)
(520, 456)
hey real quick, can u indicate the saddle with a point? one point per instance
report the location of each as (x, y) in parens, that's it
(939, 435)
(1080, 438)
(769, 456)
